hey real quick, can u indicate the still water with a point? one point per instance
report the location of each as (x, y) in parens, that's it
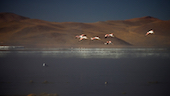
(84, 71)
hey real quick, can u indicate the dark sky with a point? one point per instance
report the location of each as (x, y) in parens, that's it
(87, 10)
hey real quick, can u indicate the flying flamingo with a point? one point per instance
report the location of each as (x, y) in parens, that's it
(95, 38)
(83, 37)
(109, 35)
(149, 32)
(79, 36)
(108, 42)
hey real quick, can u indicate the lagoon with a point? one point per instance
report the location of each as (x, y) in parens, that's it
(84, 71)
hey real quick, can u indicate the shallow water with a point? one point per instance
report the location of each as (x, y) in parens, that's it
(83, 72)
(114, 53)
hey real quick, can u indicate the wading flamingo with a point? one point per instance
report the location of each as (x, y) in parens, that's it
(149, 32)
(109, 35)
(95, 38)
(108, 42)
(83, 37)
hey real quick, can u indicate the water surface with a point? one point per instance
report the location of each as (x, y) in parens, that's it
(84, 71)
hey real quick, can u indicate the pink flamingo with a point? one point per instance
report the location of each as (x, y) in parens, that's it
(149, 32)
(109, 35)
(79, 36)
(108, 42)
(83, 37)
(95, 38)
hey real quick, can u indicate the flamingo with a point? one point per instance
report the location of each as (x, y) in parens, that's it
(109, 35)
(79, 36)
(44, 64)
(108, 42)
(95, 38)
(83, 37)
(149, 32)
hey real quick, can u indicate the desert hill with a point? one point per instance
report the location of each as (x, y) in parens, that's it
(11, 17)
(22, 31)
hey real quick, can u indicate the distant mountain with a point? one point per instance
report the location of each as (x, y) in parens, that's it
(143, 19)
(23, 31)
(11, 17)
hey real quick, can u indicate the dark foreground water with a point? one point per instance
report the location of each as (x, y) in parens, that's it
(83, 72)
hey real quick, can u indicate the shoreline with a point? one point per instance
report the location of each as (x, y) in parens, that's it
(72, 48)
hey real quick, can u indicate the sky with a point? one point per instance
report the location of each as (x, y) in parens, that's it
(87, 11)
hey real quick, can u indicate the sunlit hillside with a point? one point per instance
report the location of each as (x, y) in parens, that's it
(22, 31)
